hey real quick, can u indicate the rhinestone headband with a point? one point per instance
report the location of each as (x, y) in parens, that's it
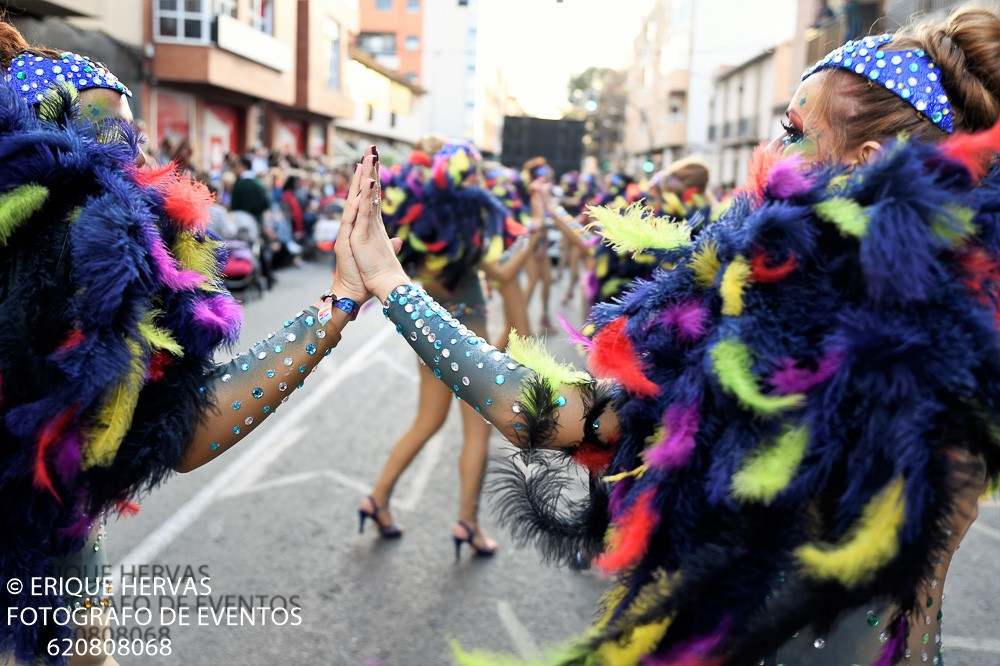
(31, 75)
(909, 74)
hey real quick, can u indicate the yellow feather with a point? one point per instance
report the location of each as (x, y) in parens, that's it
(495, 250)
(767, 472)
(198, 255)
(156, 337)
(705, 265)
(532, 353)
(636, 229)
(734, 367)
(115, 417)
(637, 473)
(872, 542)
(734, 280)
(636, 645)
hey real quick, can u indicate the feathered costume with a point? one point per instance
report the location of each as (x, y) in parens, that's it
(447, 226)
(111, 309)
(803, 401)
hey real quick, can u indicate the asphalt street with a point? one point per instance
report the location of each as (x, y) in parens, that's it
(273, 523)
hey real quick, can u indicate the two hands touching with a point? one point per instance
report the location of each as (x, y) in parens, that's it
(366, 256)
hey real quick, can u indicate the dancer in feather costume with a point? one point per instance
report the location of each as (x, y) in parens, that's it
(793, 425)
(451, 228)
(111, 312)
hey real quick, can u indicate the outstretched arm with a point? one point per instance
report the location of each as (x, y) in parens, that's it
(253, 385)
(549, 406)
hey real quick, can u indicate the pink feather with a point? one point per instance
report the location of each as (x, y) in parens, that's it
(221, 313)
(575, 336)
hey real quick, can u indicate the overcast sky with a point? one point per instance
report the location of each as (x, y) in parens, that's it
(541, 43)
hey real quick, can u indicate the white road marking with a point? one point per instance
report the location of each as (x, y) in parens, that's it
(181, 519)
(972, 644)
(255, 469)
(519, 635)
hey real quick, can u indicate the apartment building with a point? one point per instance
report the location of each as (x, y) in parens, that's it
(393, 32)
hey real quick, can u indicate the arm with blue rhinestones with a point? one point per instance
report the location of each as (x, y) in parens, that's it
(251, 387)
(547, 405)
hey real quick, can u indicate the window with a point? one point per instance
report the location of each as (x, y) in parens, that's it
(412, 43)
(413, 5)
(226, 8)
(371, 113)
(383, 5)
(333, 83)
(262, 15)
(392, 119)
(378, 43)
(411, 77)
(182, 20)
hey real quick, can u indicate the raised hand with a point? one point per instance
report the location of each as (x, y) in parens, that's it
(374, 253)
(347, 280)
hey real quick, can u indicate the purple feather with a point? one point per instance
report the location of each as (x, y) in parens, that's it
(66, 459)
(681, 427)
(78, 530)
(788, 379)
(172, 276)
(687, 318)
(894, 646)
(688, 652)
(787, 180)
(219, 314)
(617, 496)
(575, 336)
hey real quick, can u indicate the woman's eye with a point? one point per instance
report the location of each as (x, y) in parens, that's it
(792, 136)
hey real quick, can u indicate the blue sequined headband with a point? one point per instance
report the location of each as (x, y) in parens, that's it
(31, 75)
(909, 74)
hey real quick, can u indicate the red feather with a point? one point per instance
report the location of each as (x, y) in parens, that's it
(420, 157)
(412, 214)
(612, 355)
(50, 433)
(155, 176)
(127, 508)
(982, 270)
(974, 151)
(630, 539)
(441, 175)
(761, 269)
(593, 458)
(187, 203)
(157, 362)
(689, 194)
(74, 338)
(436, 246)
(761, 163)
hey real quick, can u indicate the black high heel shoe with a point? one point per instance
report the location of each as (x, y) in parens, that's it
(389, 531)
(471, 534)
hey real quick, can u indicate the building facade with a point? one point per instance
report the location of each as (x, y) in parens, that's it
(675, 59)
(393, 32)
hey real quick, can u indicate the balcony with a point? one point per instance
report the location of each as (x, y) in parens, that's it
(832, 34)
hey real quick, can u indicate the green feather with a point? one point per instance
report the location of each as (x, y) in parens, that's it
(733, 366)
(636, 229)
(768, 471)
(17, 206)
(848, 215)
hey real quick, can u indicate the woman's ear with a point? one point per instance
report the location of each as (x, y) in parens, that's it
(864, 152)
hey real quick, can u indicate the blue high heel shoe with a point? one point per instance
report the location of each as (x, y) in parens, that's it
(470, 534)
(389, 531)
